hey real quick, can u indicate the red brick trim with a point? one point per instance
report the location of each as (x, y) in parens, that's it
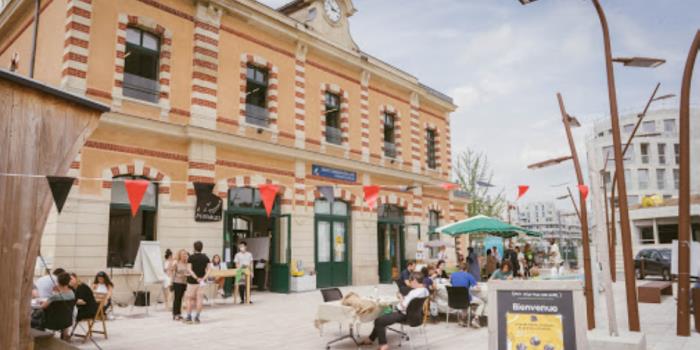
(239, 165)
(135, 150)
(98, 93)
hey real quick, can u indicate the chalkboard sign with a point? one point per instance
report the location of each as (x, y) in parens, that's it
(542, 315)
(209, 206)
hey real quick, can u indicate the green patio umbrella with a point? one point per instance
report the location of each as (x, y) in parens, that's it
(485, 224)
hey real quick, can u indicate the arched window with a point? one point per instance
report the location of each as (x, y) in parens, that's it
(127, 232)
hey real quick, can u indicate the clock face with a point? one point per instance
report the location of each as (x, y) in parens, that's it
(332, 10)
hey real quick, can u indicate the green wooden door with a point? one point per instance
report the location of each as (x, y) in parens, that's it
(390, 242)
(281, 255)
(331, 241)
(331, 252)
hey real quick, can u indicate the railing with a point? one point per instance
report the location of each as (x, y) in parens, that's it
(256, 115)
(390, 149)
(141, 88)
(334, 135)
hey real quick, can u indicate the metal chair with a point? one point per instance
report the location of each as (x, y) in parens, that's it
(415, 317)
(457, 299)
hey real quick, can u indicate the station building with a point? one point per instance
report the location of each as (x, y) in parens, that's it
(238, 94)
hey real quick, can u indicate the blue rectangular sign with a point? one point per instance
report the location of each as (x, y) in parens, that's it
(337, 174)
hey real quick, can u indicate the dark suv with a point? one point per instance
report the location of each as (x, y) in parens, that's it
(652, 261)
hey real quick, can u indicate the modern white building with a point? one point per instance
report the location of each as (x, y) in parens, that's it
(651, 170)
(546, 218)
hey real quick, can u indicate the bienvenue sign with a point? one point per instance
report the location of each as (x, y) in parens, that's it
(543, 315)
(332, 173)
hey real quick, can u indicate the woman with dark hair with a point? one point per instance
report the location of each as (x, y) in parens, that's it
(440, 268)
(103, 287)
(84, 299)
(505, 273)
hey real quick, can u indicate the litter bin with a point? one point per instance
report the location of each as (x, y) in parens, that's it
(696, 307)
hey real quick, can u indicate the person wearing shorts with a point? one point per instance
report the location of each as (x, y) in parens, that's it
(198, 267)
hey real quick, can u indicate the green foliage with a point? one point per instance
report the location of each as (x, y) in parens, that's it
(470, 169)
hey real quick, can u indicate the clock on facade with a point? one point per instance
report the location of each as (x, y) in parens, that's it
(332, 10)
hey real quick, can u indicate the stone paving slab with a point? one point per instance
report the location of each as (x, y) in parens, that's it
(278, 321)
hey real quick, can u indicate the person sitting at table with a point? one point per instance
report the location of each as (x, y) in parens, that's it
(84, 299)
(462, 278)
(504, 273)
(440, 269)
(429, 277)
(403, 281)
(216, 264)
(418, 291)
(63, 293)
(103, 285)
(45, 285)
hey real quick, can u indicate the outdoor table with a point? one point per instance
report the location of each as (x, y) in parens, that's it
(335, 311)
(36, 303)
(233, 273)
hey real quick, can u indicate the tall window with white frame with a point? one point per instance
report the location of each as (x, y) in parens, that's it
(127, 232)
(661, 179)
(141, 65)
(661, 151)
(433, 224)
(643, 178)
(334, 134)
(677, 153)
(644, 152)
(256, 96)
(430, 140)
(676, 179)
(389, 135)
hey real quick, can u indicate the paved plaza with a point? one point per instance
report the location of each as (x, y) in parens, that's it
(277, 321)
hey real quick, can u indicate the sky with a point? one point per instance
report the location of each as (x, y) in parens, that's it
(503, 64)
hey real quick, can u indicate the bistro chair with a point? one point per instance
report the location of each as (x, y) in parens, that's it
(457, 299)
(416, 317)
(99, 317)
(331, 294)
(58, 316)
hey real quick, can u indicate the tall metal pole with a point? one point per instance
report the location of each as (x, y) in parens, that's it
(683, 311)
(613, 237)
(35, 33)
(585, 241)
(630, 283)
(609, 230)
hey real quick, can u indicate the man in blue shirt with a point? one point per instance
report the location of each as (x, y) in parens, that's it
(464, 279)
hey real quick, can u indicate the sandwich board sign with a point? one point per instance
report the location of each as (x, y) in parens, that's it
(543, 315)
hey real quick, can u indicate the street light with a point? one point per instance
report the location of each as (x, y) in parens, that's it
(570, 122)
(630, 283)
(643, 62)
(683, 311)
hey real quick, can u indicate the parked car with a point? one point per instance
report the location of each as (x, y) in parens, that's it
(652, 261)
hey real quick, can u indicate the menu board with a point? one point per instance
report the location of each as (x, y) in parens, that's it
(536, 320)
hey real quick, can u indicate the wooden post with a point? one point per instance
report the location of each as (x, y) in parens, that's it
(41, 131)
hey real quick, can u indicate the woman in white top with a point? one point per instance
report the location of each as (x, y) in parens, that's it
(102, 286)
(418, 291)
(167, 282)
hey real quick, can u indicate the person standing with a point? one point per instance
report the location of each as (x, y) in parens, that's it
(529, 259)
(511, 256)
(521, 262)
(243, 259)
(178, 274)
(473, 261)
(554, 254)
(167, 282)
(491, 262)
(198, 268)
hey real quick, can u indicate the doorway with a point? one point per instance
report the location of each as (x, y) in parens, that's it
(267, 237)
(391, 242)
(331, 227)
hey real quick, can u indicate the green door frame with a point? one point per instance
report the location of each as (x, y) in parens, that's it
(331, 219)
(380, 245)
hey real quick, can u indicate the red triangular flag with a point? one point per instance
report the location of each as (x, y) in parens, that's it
(371, 195)
(448, 186)
(268, 192)
(584, 191)
(522, 189)
(135, 189)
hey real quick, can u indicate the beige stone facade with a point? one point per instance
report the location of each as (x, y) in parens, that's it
(197, 130)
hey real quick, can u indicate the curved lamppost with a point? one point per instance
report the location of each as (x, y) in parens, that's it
(683, 309)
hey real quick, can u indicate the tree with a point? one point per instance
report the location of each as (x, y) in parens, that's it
(474, 176)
